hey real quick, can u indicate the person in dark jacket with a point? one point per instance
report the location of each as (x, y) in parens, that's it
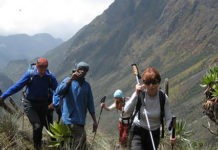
(36, 99)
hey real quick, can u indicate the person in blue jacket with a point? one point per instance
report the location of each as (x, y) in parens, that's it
(77, 100)
(36, 97)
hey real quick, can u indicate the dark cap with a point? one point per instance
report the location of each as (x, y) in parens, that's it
(82, 65)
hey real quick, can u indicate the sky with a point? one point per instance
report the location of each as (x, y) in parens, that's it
(60, 18)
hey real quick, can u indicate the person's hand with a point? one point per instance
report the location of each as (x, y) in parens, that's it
(95, 126)
(122, 109)
(173, 140)
(139, 87)
(50, 106)
(74, 76)
(103, 105)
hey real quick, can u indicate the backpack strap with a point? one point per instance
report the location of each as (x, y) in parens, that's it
(162, 99)
(140, 102)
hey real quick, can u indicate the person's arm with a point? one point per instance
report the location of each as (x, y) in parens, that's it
(55, 99)
(91, 109)
(108, 108)
(63, 87)
(54, 82)
(16, 87)
(130, 104)
(95, 124)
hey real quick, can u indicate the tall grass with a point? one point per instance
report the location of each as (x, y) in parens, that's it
(12, 136)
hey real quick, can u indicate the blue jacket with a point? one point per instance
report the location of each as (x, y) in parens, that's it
(37, 88)
(76, 102)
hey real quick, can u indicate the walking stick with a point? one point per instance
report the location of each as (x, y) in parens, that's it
(166, 89)
(102, 101)
(173, 129)
(136, 73)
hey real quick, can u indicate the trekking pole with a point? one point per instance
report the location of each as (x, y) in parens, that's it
(136, 73)
(102, 101)
(166, 89)
(173, 129)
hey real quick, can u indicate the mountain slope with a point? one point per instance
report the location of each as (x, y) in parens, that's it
(179, 38)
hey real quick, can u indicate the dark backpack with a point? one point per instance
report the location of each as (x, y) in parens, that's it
(31, 69)
(162, 99)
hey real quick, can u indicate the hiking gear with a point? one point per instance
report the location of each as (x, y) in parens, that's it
(76, 101)
(118, 94)
(173, 126)
(136, 72)
(82, 65)
(102, 101)
(140, 138)
(166, 86)
(151, 82)
(41, 62)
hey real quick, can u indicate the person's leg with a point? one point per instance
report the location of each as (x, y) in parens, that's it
(136, 143)
(136, 139)
(120, 132)
(147, 143)
(123, 136)
(36, 114)
(36, 125)
(79, 137)
(156, 135)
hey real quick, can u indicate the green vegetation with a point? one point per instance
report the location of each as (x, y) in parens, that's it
(62, 135)
(210, 104)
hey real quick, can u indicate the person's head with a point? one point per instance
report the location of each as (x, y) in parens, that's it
(151, 78)
(82, 68)
(118, 97)
(41, 65)
(0, 92)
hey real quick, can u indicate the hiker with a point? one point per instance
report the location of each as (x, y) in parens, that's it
(147, 97)
(36, 99)
(77, 99)
(124, 120)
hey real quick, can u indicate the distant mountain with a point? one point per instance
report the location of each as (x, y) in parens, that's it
(5, 82)
(22, 46)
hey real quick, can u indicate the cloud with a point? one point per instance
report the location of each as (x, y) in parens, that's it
(60, 18)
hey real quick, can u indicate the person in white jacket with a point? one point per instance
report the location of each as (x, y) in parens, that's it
(140, 137)
(124, 120)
